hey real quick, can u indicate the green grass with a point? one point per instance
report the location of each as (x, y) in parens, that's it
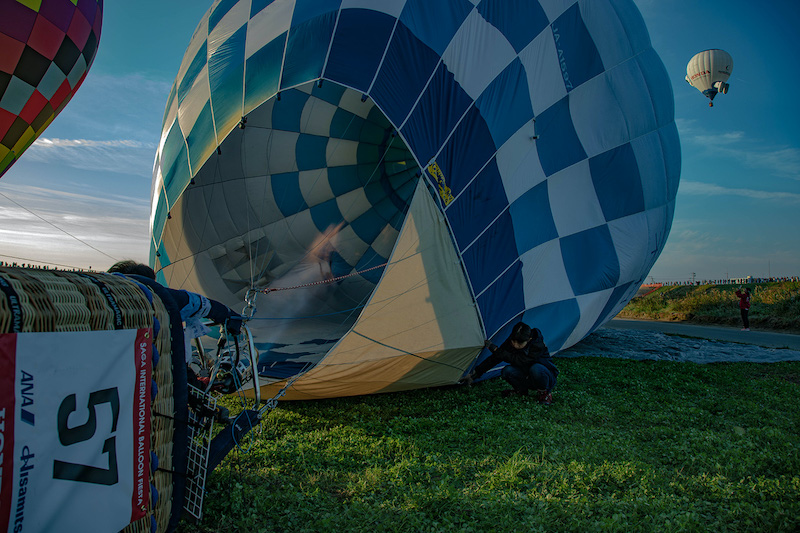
(774, 305)
(627, 446)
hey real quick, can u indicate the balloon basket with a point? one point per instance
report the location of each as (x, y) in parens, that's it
(82, 306)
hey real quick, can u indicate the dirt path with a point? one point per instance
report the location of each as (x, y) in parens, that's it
(671, 341)
(767, 339)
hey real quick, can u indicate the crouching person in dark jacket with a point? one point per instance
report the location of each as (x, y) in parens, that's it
(529, 364)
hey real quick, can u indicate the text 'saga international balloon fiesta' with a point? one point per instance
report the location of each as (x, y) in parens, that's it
(46, 49)
(708, 72)
(382, 185)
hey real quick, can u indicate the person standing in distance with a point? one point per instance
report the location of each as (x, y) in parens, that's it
(744, 306)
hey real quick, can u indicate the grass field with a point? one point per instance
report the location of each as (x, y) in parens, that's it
(775, 305)
(627, 446)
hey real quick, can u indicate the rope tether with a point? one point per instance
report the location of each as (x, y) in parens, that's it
(320, 282)
(250, 298)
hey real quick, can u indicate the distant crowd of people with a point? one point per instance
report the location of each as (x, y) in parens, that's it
(43, 267)
(727, 281)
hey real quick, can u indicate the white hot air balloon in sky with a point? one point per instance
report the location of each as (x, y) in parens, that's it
(708, 72)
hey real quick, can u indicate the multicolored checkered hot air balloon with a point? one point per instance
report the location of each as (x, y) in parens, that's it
(46, 49)
(387, 183)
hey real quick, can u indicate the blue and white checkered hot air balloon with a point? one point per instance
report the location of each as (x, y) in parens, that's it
(415, 176)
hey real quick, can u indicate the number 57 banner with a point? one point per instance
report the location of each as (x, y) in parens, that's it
(74, 429)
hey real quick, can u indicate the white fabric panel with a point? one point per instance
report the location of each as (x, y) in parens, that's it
(554, 8)
(284, 231)
(261, 117)
(206, 172)
(603, 24)
(267, 25)
(650, 157)
(156, 190)
(180, 249)
(170, 115)
(200, 269)
(353, 204)
(390, 7)
(350, 244)
(240, 273)
(545, 82)
(597, 116)
(544, 276)
(78, 70)
(198, 40)
(307, 88)
(518, 163)
(573, 201)
(385, 242)
(260, 196)
(314, 186)
(340, 152)
(351, 101)
(281, 152)
(234, 19)
(198, 219)
(477, 54)
(47, 86)
(629, 86)
(234, 249)
(165, 134)
(316, 117)
(196, 99)
(591, 305)
(630, 236)
(254, 151)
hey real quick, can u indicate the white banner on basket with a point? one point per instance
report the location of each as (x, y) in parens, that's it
(74, 429)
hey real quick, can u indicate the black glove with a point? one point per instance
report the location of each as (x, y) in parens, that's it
(234, 324)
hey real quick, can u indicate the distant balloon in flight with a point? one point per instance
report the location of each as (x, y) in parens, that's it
(708, 72)
(47, 49)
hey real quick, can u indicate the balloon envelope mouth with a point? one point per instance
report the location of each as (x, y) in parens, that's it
(307, 195)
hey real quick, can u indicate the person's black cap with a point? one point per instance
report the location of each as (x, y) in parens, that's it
(521, 332)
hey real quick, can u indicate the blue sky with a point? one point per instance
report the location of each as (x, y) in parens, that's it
(80, 196)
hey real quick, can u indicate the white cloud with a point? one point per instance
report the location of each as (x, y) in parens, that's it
(71, 229)
(697, 188)
(783, 161)
(130, 106)
(62, 143)
(122, 155)
(112, 124)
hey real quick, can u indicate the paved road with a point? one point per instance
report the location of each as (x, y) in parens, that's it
(720, 333)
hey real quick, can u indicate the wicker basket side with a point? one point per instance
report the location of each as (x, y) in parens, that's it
(37, 310)
(74, 301)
